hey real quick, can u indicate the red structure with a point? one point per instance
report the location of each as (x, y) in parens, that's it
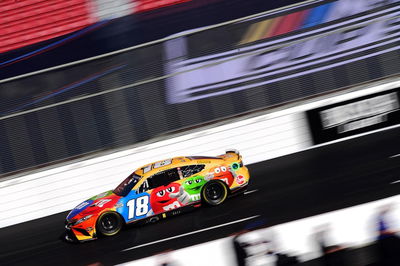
(147, 5)
(24, 22)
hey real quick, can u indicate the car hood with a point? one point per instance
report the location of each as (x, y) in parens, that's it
(94, 205)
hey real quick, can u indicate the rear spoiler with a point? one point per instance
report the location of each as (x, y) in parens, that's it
(231, 155)
(232, 151)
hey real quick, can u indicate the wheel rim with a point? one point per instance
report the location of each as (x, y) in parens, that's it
(214, 192)
(109, 223)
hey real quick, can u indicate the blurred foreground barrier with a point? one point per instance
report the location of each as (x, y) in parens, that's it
(258, 138)
(352, 227)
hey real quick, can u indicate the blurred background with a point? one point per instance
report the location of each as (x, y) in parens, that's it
(308, 91)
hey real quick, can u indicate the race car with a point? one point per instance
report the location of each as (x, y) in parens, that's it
(157, 191)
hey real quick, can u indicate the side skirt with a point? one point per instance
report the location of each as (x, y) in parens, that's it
(164, 215)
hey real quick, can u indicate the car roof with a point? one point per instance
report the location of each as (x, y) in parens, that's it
(176, 161)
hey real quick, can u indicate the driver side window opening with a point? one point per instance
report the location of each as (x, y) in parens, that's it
(160, 179)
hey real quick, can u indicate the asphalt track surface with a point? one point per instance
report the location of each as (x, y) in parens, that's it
(288, 188)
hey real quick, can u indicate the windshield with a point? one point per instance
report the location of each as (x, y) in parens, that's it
(126, 186)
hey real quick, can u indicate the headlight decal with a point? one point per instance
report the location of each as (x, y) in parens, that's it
(83, 219)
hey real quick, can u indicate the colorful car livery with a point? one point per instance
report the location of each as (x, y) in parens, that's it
(158, 190)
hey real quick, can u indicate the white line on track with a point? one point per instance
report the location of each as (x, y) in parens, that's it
(191, 233)
(349, 138)
(394, 156)
(250, 191)
(395, 182)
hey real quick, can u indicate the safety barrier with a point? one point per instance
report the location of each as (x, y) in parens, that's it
(258, 138)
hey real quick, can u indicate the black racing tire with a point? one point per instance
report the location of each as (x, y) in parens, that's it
(109, 224)
(214, 192)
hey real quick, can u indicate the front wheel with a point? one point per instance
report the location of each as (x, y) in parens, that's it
(214, 193)
(109, 224)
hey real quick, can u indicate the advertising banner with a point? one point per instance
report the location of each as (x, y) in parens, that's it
(355, 116)
(267, 50)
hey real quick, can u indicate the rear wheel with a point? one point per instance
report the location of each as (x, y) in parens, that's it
(214, 192)
(109, 224)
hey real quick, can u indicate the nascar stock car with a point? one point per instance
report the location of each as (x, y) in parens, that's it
(159, 190)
